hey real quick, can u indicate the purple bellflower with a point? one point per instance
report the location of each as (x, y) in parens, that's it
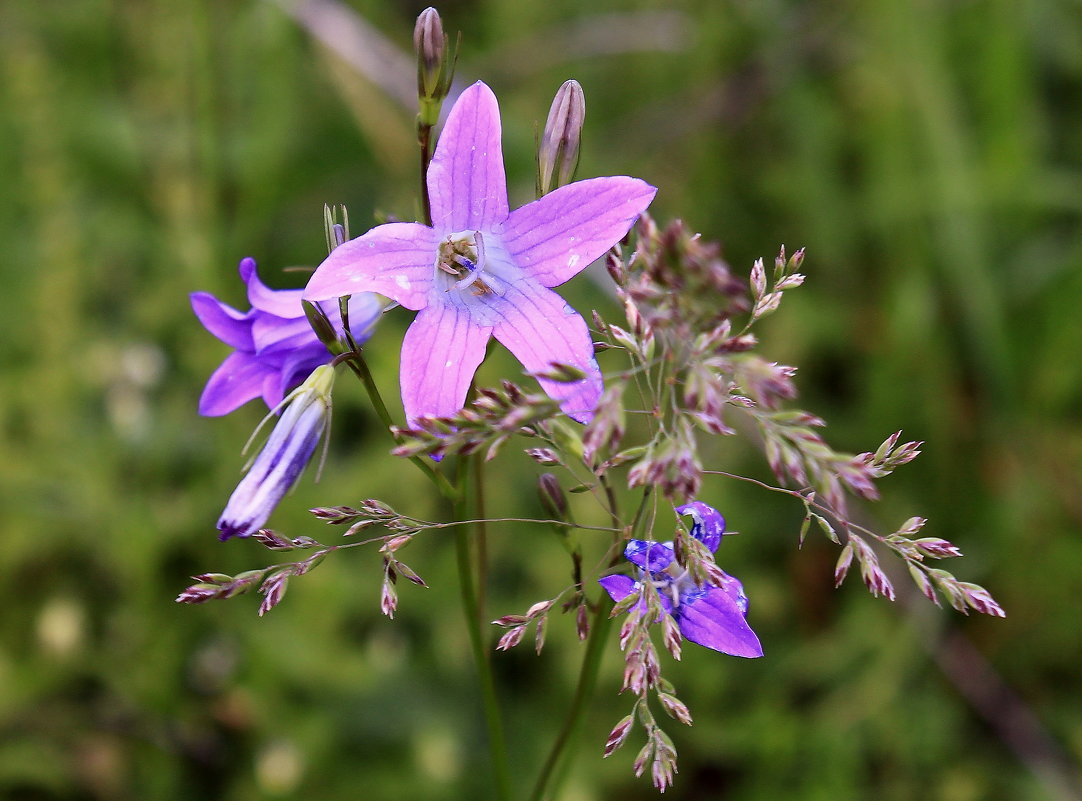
(712, 616)
(481, 270)
(275, 347)
(283, 458)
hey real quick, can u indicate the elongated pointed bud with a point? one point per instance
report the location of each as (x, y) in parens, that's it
(429, 41)
(322, 326)
(435, 66)
(552, 496)
(558, 155)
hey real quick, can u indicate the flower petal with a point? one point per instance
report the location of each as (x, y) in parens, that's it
(396, 260)
(276, 469)
(708, 525)
(279, 302)
(291, 373)
(274, 336)
(553, 238)
(440, 354)
(716, 620)
(236, 381)
(365, 309)
(233, 327)
(539, 328)
(651, 556)
(617, 586)
(466, 182)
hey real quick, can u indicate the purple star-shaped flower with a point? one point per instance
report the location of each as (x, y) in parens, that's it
(481, 270)
(275, 347)
(712, 616)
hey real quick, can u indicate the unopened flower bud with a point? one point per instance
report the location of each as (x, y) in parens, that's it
(429, 42)
(322, 326)
(582, 623)
(435, 67)
(558, 155)
(552, 496)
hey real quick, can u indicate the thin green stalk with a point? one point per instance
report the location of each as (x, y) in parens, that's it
(424, 139)
(493, 721)
(482, 535)
(591, 664)
(359, 366)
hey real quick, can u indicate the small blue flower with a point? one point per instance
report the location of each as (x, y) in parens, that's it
(712, 616)
(283, 458)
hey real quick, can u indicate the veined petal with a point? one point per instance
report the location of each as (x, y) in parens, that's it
(396, 260)
(237, 380)
(553, 238)
(279, 302)
(233, 327)
(707, 523)
(650, 556)
(539, 328)
(440, 354)
(716, 620)
(466, 182)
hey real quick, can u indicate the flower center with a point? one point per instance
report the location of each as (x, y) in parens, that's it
(677, 583)
(462, 256)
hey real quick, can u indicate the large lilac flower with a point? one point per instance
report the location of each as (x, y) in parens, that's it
(712, 616)
(482, 270)
(275, 347)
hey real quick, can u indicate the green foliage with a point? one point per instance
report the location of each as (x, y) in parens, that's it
(925, 153)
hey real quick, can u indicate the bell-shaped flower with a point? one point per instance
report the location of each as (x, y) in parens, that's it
(482, 270)
(284, 456)
(710, 615)
(274, 345)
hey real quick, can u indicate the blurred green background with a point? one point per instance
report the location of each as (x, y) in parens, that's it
(928, 154)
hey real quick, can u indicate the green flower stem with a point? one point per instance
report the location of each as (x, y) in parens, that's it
(359, 366)
(482, 536)
(591, 664)
(424, 140)
(493, 720)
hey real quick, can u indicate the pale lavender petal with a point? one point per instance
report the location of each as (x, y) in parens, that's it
(618, 586)
(396, 260)
(715, 620)
(233, 327)
(553, 238)
(539, 328)
(440, 354)
(708, 525)
(279, 302)
(651, 556)
(466, 182)
(236, 381)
